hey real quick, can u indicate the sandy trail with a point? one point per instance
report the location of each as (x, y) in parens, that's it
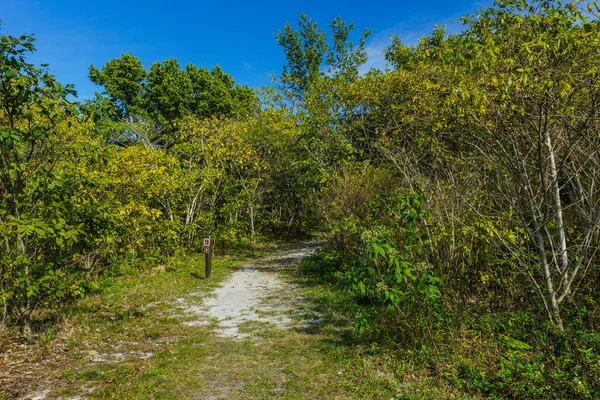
(254, 293)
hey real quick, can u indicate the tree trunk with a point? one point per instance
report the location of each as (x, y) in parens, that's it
(539, 242)
(564, 259)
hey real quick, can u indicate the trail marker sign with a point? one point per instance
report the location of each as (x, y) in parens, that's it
(207, 258)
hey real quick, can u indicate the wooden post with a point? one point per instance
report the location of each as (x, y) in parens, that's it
(207, 258)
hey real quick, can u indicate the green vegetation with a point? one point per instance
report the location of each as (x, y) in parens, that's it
(456, 194)
(130, 319)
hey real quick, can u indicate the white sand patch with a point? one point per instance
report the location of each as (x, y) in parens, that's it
(117, 357)
(239, 300)
(253, 293)
(37, 396)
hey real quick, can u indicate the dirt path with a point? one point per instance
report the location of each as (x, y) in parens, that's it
(254, 293)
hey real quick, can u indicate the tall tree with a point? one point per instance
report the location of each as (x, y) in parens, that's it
(123, 80)
(310, 53)
(32, 105)
(168, 93)
(305, 50)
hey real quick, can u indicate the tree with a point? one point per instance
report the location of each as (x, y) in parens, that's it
(168, 93)
(319, 70)
(33, 113)
(514, 98)
(123, 80)
(531, 104)
(214, 93)
(307, 52)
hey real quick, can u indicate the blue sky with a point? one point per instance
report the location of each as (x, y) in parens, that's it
(237, 35)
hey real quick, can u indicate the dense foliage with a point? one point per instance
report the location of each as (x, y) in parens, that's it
(456, 192)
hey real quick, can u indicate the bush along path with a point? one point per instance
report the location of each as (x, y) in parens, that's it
(260, 329)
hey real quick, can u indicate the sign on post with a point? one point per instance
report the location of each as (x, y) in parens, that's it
(207, 258)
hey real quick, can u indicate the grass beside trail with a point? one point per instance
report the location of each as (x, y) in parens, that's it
(130, 342)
